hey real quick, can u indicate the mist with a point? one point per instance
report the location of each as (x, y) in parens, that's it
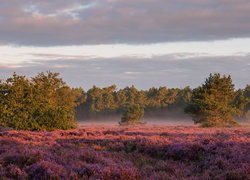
(165, 118)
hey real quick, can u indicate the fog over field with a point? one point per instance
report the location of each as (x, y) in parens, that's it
(174, 117)
(150, 121)
(160, 119)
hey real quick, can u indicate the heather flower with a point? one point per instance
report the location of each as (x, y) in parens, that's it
(136, 153)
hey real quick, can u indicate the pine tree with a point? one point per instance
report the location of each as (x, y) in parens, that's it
(132, 115)
(212, 103)
(247, 102)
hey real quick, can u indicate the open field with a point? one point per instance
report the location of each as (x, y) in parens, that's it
(113, 152)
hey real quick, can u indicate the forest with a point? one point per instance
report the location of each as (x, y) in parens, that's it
(47, 102)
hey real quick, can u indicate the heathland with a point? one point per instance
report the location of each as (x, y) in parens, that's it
(135, 152)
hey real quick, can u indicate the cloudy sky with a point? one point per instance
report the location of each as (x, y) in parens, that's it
(147, 43)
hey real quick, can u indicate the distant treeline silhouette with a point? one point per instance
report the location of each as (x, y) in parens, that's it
(109, 101)
(46, 102)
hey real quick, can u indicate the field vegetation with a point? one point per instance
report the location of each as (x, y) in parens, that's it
(118, 152)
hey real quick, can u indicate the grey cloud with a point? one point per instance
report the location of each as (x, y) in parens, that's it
(62, 22)
(144, 73)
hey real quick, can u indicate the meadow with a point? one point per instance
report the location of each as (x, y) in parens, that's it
(116, 152)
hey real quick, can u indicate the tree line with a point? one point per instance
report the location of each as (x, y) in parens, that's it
(109, 100)
(47, 102)
(214, 103)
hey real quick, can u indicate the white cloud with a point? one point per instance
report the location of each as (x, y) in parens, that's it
(144, 73)
(184, 50)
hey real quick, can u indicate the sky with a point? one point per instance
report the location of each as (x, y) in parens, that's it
(173, 43)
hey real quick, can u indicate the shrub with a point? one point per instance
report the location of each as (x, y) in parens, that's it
(132, 115)
(46, 170)
(14, 172)
(21, 160)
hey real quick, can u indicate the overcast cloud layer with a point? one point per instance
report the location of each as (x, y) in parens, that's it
(75, 22)
(170, 71)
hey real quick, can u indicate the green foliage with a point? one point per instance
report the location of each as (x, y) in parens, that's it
(246, 101)
(99, 100)
(43, 102)
(184, 96)
(132, 115)
(157, 98)
(212, 103)
(16, 103)
(240, 103)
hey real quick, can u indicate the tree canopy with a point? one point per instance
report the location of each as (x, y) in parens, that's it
(42, 102)
(132, 115)
(212, 104)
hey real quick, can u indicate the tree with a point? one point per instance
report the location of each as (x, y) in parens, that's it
(101, 99)
(212, 103)
(132, 115)
(240, 102)
(17, 103)
(108, 98)
(157, 97)
(43, 102)
(247, 102)
(121, 99)
(55, 102)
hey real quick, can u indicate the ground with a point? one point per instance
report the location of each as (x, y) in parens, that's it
(113, 152)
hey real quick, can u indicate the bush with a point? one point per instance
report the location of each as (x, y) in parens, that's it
(43, 102)
(132, 115)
